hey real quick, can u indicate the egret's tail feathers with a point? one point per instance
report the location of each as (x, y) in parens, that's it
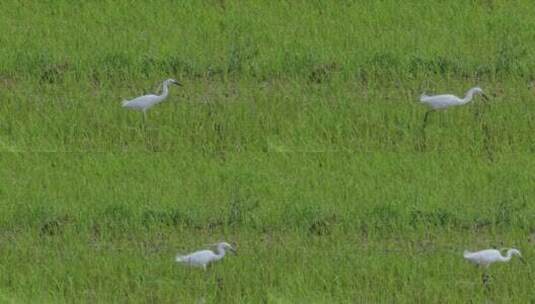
(180, 258)
(124, 102)
(466, 253)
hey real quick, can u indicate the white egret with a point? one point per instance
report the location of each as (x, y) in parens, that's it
(204, 257)
(145, 102)
(438, 102)
(486, 257)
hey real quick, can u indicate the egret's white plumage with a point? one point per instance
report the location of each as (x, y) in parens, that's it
(145, 102)
(488, 256)
(204, 257)
(437, 102)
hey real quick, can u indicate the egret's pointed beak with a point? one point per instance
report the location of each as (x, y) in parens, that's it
(523, 260)
(485, 97)
(178, 83)
(233, 250)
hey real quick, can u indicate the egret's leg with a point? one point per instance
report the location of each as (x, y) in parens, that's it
(423, 141)
(426, 117)
(144, 122)
(219, 282)
(486, 280)
(206, 283)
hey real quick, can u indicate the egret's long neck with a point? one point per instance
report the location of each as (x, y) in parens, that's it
(220, 253)
(508, 257)
(165, 91)
(469, 95)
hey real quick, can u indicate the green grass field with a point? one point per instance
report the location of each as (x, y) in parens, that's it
(297, 135)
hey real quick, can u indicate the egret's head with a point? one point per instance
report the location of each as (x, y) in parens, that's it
(226, 246)
(477, 90)
(172, 81)
(514, 251)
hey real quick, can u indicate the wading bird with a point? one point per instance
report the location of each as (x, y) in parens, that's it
(438, 102)
(145, 102)
(204, 257)
(486, 257)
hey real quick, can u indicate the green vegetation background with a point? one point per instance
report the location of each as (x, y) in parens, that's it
(297, 134)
